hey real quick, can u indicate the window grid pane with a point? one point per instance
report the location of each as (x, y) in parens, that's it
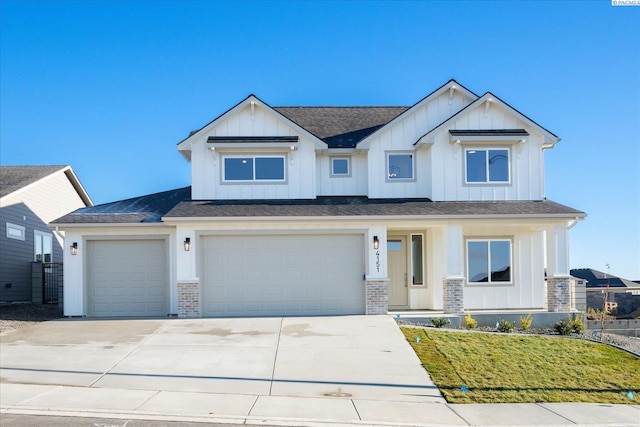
(476, 166)
(400, 166)
(269, 168)
(238, 169)
(499, 165)
(478, 257)
(340, 166)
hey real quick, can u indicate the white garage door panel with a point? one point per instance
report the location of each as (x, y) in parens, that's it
(290, 275)
(127, 278)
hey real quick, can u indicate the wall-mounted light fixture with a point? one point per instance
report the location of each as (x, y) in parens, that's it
(376, 242)
(74, 248)
(187, 243)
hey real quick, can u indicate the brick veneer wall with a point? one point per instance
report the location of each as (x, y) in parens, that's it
(188, 300)
(558, 294)
(377, 297)
(453, 296)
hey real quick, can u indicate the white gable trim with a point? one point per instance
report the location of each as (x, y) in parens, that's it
(485, 101)
(451, 86)
(184, 147)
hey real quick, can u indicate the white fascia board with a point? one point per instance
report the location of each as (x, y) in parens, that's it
(75, 182)
(390, 220)
(103, 225)
(185, 146)
(235, 146)
(451, 84)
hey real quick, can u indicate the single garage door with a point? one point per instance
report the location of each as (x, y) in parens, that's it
(127, 278)
(283, 275)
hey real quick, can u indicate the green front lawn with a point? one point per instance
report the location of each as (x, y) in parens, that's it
(508, 368)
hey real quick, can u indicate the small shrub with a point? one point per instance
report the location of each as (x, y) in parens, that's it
(506, 326)
(562, 327)
(576, 324)
(470, 322)
(439, 322)
(525, 322)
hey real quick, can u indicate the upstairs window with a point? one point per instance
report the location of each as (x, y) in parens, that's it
(254, 169)
(340, 166)
(400, 166)
(489, 261)
(485, 166)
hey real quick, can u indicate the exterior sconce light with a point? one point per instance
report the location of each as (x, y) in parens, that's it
(376, 242)
(187, 244)
(74, 248)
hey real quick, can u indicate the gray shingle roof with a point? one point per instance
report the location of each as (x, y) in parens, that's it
(13, 178)
(362, 206)
(341, 127)
(148, 208)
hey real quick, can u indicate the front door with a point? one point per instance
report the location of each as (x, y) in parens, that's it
(397, 266)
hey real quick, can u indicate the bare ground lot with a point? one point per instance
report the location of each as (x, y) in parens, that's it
(16, 316)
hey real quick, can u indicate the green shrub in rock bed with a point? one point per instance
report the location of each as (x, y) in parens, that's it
(439, 322)
(506, 326)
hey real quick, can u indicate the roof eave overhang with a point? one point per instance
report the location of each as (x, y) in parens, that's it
(72, 225)
(376, 218)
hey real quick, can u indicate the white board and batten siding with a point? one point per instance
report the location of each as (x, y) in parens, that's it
(400, 137)
(274, 275)
(207, 180)
(355, 184)
(526, 161)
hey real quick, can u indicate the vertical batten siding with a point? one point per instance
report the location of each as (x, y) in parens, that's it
(207, 165)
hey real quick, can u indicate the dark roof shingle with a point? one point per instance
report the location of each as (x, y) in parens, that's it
(341, 127)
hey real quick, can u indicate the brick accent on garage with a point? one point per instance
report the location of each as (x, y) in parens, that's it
(377, 297)
(189, 299)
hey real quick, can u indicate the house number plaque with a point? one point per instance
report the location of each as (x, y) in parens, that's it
(378, 261)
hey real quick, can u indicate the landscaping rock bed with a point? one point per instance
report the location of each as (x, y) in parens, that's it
(630, 344)
(16, 316)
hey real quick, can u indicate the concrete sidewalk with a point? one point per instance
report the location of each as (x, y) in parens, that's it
(198, 407)
(279, 371)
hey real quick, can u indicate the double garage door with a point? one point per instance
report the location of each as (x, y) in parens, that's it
(282, 275)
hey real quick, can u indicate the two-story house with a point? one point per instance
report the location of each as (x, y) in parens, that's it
(336, 210)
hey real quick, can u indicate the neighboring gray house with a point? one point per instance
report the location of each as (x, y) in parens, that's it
(30, 198)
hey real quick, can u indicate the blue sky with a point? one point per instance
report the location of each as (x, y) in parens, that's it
(110, 87)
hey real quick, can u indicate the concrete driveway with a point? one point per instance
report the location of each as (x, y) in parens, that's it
(237, 367)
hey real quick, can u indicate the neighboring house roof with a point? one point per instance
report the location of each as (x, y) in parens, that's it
(599, 279)
(17, 178)
(341, 127)
(143, 209)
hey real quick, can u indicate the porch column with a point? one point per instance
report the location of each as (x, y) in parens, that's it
(558, 277)
(453, 282)
(376, 280)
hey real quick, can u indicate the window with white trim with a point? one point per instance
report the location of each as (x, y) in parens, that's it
(400, 166)
(43, 246)
(489, 261)
(14, 231)
(487, 165)
(340, 166)
(254, 169)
